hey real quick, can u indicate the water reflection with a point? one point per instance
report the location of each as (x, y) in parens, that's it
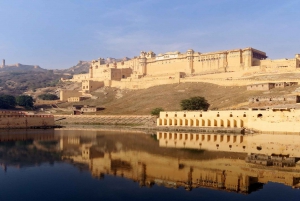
(225, 162)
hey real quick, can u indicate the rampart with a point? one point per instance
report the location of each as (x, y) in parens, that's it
(21, 120)
(146, 120)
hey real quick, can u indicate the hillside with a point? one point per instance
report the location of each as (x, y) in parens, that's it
(16, 83)
(80, 67)
(17, 78)
(168, 97)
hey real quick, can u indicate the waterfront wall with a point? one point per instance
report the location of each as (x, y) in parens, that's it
(278, 120)
(20, 120)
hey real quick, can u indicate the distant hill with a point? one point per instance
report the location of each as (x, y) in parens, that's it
(21, 67)
(80, 67)
(17, 82)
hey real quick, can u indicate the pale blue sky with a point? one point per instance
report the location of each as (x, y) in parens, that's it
(56, 34)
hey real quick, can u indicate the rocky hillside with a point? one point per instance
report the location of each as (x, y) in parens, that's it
(18, 78)
(16, 83)
(80, 67)
(117, 101)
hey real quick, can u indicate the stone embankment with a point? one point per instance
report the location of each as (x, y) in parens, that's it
(118, 120)
(133, 123)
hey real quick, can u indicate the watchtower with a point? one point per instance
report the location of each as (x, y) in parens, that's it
(3, 63)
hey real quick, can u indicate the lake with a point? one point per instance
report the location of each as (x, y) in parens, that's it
(111, 165)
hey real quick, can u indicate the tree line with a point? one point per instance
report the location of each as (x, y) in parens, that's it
(9, 101)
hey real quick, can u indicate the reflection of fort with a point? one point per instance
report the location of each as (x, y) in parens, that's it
(17, 135)
(112, 154)
(259, 144)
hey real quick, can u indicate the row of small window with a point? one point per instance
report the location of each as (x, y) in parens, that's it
(218, 115)
(25, 116)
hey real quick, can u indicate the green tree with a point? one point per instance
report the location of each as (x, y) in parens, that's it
(194, 103)
(48, 97)
(156, 111)
(7, 101)
(25, 101)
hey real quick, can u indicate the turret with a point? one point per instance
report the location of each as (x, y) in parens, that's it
(189, 55)
(3, 63)
(142, 63)
(91, 71)
(101, 61)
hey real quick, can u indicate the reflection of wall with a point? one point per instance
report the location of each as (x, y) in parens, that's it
(30, 135)
(260, 144)
(223, 173)
(147, 169)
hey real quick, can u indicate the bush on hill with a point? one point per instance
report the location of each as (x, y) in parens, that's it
(156, 111)
(194, 103)
(25, 101)
(48, 97)
(7, 101)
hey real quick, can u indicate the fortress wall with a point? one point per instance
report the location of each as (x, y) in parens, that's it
(118, 74)
(102, 72)
(80, 77)
(279, 63)
(90, 85)
(209, 64)
(169, 66)
(132, 63)
(65, 94)
(234, 60)
(25, 121)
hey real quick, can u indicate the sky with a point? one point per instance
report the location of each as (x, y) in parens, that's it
(56, 34)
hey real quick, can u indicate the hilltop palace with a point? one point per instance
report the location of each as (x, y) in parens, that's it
(149, 69)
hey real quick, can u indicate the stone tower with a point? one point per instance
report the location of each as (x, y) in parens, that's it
(190, 58)
(142, 63)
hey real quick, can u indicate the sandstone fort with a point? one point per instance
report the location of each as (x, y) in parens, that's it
(229, 67)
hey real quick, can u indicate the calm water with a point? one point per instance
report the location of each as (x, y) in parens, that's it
(90, 165)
